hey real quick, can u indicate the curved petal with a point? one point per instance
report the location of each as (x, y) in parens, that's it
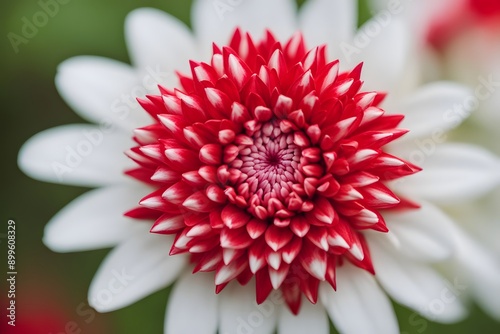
(102, 91)
(216, 20)
(488, 115)
(95, 220)
(330, 22)
(481, 270)
(422, 234)
(434, 109)
(310, 317)
(359, 305)
(82, 155)
(133, 270)
(419, 15)
(384, 50)
(489, 229)
(192, 306)
(451, 172)
(239, 313)
(415, 285)
(159, 43)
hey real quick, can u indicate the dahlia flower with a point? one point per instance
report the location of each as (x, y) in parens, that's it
(264, 179)
(460, 40)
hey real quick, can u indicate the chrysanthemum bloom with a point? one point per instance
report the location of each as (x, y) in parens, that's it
(271, 166)
(266, 162)
(461, 40)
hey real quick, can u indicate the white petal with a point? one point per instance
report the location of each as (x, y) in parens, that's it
(481, 269)
(451, 172)
(486, 215)
(311, 318)
(216, 20)
(385, 55)
(488, 115)
(192, 306)
(102, 91)
(330, 22)
(359, 305)
(239, 313)
(95, 220)
(415, 285)
(82, 155)
(422, 234)
(419, 15)
(159, 44)
(134, 270)
(434, 109)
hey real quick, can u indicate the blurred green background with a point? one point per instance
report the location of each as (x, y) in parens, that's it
(51, 287)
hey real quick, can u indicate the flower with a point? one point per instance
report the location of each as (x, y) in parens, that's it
(140, 263)
(266, 163)
(459, 40)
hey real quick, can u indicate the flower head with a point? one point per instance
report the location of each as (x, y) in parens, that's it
(267, 165)
(267, 162)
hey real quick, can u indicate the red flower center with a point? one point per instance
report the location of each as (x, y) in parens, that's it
(265, 166)
(268, 163)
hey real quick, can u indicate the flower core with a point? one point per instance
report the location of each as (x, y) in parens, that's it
(268, 162)
(265, 171)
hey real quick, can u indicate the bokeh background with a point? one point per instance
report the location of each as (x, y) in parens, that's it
(52, 288)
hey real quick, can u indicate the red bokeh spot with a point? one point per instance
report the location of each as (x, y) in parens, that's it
(485, 8)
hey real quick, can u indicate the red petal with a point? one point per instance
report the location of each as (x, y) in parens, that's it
(226, 273)
(263, 286)
(277, 237)
(199, 202)
(235, 238)
(256, 227)
(168, 224)
(234, 217)
(211, 154)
